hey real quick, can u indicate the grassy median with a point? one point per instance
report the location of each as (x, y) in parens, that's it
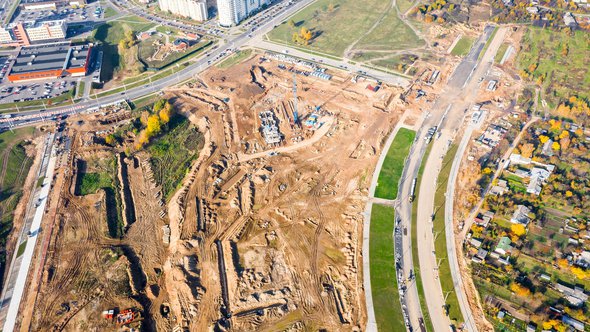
(393, 165)
(388, 312)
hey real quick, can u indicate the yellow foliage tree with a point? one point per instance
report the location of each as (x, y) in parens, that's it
(555, 146)
(153, 126)
(543, 139)
(526, 150)
(518, 229)
(110, 139)
(580, 273)
(520, 290)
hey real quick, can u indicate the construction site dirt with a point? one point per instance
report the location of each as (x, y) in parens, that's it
(263, 233)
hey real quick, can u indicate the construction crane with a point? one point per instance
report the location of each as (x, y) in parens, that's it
(295, 114)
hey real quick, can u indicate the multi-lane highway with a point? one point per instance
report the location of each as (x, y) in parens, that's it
(447, 114)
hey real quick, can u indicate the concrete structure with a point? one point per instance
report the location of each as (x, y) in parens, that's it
(50, 61)
(194, 9)
(27, 33)
(232, 12)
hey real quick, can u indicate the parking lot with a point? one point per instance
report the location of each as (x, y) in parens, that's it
(254, 22)
(27, 91)
(71, 15)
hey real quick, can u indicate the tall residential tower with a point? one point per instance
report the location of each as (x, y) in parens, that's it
(232, 12)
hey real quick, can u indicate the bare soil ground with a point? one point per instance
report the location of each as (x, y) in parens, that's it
(258, 237)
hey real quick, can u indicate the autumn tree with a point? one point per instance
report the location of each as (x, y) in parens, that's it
(520, 290)
(110, 139)
(166, 113)
(526, 150)
(518, 229)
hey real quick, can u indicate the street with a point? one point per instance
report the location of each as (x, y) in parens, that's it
(448, 114)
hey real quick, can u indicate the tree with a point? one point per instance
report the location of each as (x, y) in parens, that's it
(306, 34)
(518, 229)
(153, 126)
(110, 139)
(543, 139)
(292, 24)
(159, 105)
(526, 150)
(564, 143)
(166, 113)
(555, 146)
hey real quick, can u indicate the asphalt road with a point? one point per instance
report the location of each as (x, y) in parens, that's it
(28, 117)
(447, 113)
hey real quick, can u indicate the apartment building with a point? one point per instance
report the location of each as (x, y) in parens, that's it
(232, 12)
(194, 9)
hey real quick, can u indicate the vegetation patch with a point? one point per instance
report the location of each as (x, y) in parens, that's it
(14, 168)
(384, 288)
(393, 165)
(463, 46)
(172, 152)
(559, 62)
(335, 25)
(119, 45)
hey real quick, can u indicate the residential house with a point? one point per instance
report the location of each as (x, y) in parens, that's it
(575, 296)
(504, 246)
(521, 215)
(500, 189)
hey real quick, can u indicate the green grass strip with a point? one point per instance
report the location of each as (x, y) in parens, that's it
(393, 165)
(388, 312)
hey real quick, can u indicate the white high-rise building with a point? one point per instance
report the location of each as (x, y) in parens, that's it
(194, 9)
(232, 12)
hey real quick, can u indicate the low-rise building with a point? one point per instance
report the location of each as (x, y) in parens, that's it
(503, 247)
(521, 215)
(50, 61)
(33, 32)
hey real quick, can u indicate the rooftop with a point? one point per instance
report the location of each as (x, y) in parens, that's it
(50, 57)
